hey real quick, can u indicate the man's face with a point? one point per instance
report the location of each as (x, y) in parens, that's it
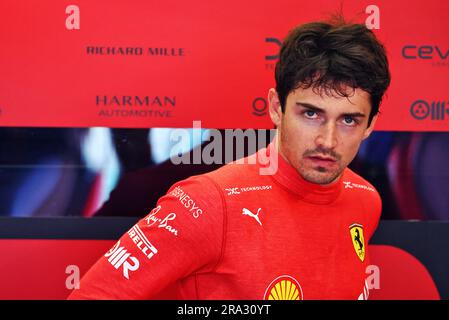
(320, 135)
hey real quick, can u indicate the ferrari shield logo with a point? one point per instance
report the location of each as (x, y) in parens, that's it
(358, 240)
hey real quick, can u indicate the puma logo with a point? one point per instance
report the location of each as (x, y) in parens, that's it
(249, 213)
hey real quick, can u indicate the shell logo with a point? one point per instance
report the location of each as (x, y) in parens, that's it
(284, 288)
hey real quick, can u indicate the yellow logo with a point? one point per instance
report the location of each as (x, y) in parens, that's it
(284, 288)
(358, 240)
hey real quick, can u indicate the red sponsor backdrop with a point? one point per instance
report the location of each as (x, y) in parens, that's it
(176, 61)
(402, 276)
(37, 269)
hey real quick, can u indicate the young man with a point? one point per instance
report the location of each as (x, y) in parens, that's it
(300, 233)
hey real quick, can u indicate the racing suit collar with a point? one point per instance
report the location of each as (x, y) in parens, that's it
(287, 176)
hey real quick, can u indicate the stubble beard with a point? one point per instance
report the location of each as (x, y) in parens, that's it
(318, 175)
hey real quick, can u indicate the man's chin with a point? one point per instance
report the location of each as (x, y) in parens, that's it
(321, 176)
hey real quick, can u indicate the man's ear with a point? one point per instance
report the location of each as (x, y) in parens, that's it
(274, 107)
(370, 129)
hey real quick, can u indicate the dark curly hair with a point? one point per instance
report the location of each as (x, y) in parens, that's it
(328, 56)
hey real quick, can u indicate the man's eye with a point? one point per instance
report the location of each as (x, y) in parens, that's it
(311, 114)
(349, 121)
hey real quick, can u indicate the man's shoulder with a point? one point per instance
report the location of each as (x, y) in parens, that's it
(355, 182)
(235, 173)
(356, 187)
(216, 183)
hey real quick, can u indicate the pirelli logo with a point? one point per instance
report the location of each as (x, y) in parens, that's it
(142, 242)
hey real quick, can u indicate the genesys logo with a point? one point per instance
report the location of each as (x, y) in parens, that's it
(438, 55)
(187, 202)
(164, 223)
(430, 110)
(119, 257)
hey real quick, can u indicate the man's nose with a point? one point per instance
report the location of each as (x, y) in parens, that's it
(327, 136)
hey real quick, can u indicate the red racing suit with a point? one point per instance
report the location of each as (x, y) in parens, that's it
(236, 234)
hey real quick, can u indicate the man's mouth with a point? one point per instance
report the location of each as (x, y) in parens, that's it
(323, 161)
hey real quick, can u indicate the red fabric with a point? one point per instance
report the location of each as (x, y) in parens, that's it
(212, 246)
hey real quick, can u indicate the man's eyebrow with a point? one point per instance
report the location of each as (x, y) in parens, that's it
(318, 109)
(310, 106)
